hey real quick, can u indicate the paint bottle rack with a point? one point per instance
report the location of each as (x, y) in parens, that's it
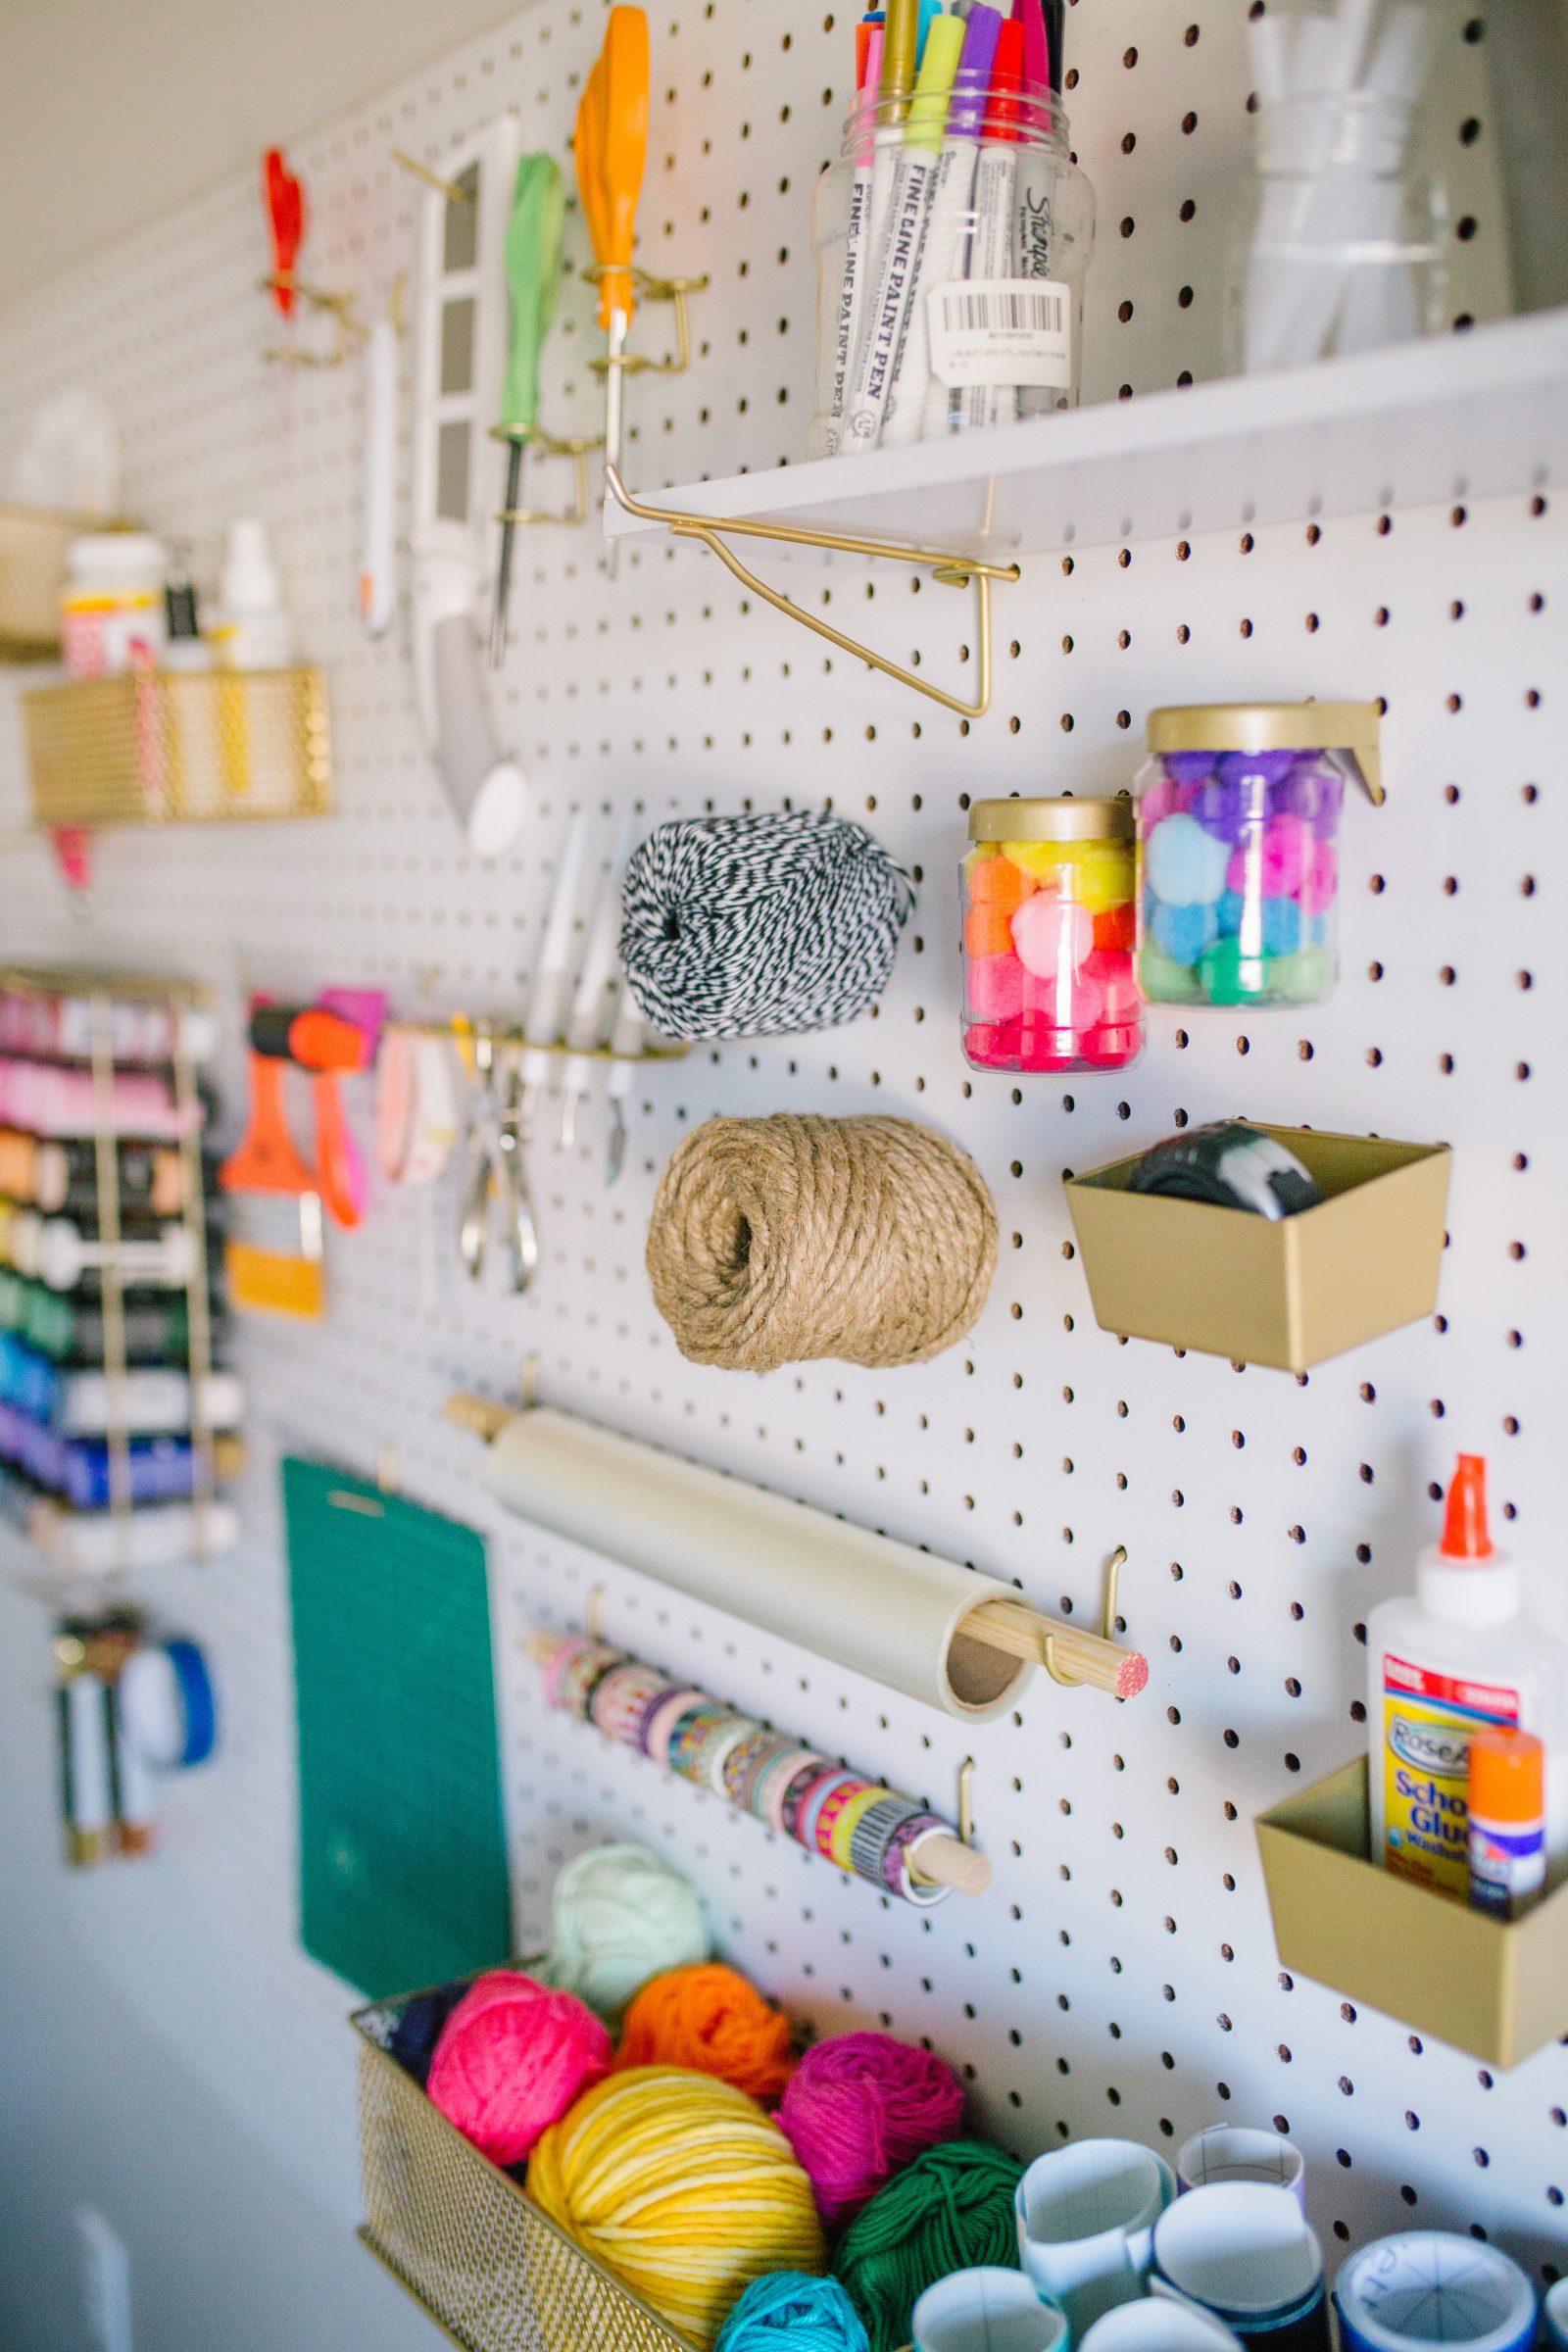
(32, 569)
(1491, 1986)
(463, 2239)
(1288, 1293)
(210, 747)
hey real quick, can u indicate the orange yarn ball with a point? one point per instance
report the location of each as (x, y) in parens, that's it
(712, 2022)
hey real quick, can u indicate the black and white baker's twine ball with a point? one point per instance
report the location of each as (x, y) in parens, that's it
(754, 927)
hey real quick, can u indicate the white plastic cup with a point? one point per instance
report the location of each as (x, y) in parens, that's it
(1086, 2221)
(987, 2311)
(1230, 2152)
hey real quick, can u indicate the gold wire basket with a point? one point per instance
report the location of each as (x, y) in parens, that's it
(465, 2243)
(205, 746)
(33, 572)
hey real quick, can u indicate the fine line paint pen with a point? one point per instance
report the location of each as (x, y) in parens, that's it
(888, 317)
(900, 40)
(1035, 185)
(952, 203)
(856, 243)
(904, 422)
(989, 255)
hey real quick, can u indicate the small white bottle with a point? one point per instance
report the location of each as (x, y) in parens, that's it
(254, 628)
(1458, 1654)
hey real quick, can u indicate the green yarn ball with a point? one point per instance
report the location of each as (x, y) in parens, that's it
(951, 2210)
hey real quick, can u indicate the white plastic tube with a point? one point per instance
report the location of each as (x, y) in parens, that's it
(877, 1607)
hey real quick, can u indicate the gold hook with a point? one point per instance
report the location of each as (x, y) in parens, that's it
(528, 1384)
(594, 1614)
(654, 290)
(549, 446)
(451, 189)
(388, 1469)
(965, 1801)
(339, 307)
(952, 570)
(1113, 1568)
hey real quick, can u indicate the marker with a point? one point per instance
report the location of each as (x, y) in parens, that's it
(1035, 187)
(888, 321)
(988, 253)
(953, 199)
(856, 243)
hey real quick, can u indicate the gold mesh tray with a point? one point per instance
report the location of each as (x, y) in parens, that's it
(204, 748)
(461, 2237)
(33, 572)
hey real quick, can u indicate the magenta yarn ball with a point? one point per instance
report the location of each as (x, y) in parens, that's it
(862, 2106)
(511, 2058)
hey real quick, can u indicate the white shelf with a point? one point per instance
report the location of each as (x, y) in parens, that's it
(1469, 415)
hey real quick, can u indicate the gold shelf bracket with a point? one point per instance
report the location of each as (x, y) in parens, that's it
(950, 569)
(1108, 1624)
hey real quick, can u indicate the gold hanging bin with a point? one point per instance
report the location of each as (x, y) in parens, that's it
(950, 570)
(174, 748)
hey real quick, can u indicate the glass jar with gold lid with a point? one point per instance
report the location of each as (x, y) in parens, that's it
(1048, 926)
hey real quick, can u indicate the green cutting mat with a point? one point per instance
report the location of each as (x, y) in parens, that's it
(403, 1866)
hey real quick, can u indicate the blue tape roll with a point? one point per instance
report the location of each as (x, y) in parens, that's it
(1430, 2287)
(196, 1696)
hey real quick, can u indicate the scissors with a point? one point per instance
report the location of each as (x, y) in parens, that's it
(497, 1171)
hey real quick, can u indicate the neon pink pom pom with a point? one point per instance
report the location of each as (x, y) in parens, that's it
(1322, 879)
(860, 2108)
(511, 2058)
(995, 987)
(1110, 971)
(1279, 868)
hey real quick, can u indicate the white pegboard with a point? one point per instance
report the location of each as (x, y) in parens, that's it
(1121, 1975)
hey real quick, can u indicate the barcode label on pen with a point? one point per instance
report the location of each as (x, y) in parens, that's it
(1003, 330)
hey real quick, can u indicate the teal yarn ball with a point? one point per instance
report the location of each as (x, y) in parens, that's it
(951, 2210)
(791, 2312)
(619, 1916)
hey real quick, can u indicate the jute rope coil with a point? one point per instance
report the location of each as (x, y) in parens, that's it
(777, 1241)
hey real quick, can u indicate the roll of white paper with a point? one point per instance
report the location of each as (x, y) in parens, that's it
(986, 2311)
(882, 1609)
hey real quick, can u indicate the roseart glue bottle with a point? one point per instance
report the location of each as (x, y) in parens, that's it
(1461, 1654)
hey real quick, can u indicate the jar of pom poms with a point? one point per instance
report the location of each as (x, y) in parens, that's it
(1238, 848)
(1049, 923)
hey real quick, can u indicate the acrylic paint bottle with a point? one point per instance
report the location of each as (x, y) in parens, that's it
(1458, 1654)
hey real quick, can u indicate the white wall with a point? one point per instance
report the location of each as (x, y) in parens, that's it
(111, 114)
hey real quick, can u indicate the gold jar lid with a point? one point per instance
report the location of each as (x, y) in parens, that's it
(1274, 727)
(1064, 818)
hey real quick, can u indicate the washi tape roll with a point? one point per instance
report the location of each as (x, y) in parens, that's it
(778, 1784)
(621, 1701)
(668, 1714)
(1429, 2287)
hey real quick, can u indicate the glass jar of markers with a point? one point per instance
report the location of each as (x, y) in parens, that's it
(1238, 848)
(1049, 923)
(951, 238)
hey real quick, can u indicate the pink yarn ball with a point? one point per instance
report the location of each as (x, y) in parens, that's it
(995, 987)
(511, 2058)
(862, 2106)
(1322, 879)
(1052, 936)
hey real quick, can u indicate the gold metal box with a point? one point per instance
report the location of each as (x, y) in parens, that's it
(1495, 1987)
(176, 748)
(1288, 1292)
(461, 2237)
(33, 572)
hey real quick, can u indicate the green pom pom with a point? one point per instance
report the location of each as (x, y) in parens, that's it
(1163, 982)
(1228, 976)
(1302, 978)
(951, 2210)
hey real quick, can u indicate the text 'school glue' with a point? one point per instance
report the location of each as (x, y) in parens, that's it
(1457, 1657)
(1507, 1821)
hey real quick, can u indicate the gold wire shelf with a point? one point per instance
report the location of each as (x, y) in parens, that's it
(207, 746)
(33, 572)
(463, 2239)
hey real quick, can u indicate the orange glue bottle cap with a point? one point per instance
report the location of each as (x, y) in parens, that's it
(1465, 1528)
(1507, 1775)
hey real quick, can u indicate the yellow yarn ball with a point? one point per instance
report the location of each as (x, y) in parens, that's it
(681, 2185)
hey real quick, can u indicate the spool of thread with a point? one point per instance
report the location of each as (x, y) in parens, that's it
(756, 926)
(862, 2106)
(711, 2021)
(513, 2057)
(782, 1240)
(682, 2187)
(951, 2210)
(619, 1915)
(789, 2312)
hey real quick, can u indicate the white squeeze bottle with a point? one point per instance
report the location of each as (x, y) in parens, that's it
(1458, 1654)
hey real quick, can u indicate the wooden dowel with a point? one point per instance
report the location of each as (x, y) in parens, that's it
(1022, 1632)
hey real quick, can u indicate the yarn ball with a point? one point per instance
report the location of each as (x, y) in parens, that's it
(1181, 933)
(779, 1241)
(419, 2029)
(789, 2312)
(951, 2210)
(758, 926)
(1186, 866)
(995, 986)
(619, 1916)
(1052, 935)
(682, 2187)
(711, 2021)
(862, 2106)
(511, 2058)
